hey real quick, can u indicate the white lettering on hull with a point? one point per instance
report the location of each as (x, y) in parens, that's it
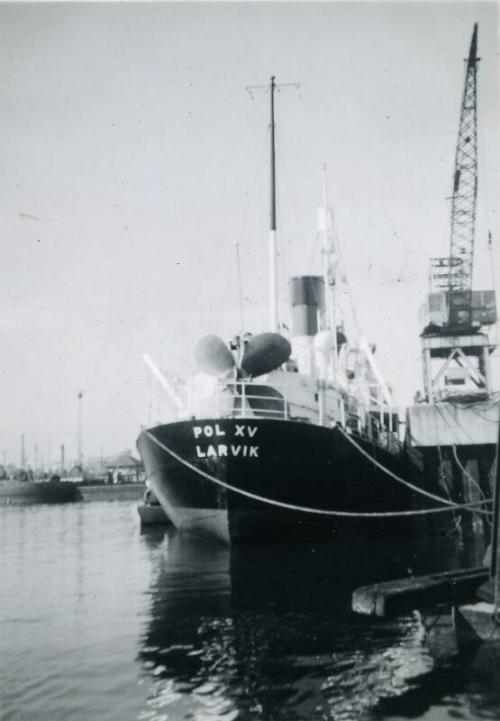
(223, 450)
(209, 431)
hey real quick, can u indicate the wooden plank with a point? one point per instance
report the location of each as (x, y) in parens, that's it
(417, 592)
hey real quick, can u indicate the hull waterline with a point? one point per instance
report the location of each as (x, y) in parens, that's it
(189, 465)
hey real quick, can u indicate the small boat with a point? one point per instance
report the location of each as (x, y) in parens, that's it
(150, 511)
(280, 434)
(24, 493)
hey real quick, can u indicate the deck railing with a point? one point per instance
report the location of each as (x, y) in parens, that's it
(240, 399)
(244, 399)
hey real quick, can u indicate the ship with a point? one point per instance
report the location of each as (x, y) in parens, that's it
(284, 433)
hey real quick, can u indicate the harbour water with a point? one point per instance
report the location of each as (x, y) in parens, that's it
(103, 622)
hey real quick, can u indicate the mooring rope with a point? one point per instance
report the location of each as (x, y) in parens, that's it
(397, 478)
(466, 473)
(307, 509)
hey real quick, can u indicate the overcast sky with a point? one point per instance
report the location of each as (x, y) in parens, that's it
(133, 158)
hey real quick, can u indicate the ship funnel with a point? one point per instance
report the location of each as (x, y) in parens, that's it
(212, 356)
(307, 309)
(307, 300)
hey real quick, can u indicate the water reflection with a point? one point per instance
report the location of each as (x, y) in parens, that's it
(71, 609)
(267, 632)
(465, 687)
(101, 622)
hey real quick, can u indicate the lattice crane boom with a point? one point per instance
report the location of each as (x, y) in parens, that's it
(463, 204)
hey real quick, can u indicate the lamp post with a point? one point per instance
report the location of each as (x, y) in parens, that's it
(80, 430)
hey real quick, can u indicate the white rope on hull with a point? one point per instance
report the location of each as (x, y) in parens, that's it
(320, 511)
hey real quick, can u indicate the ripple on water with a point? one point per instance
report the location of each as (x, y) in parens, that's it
(102, 622)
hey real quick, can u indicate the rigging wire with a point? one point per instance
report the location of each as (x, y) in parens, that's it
(247, 207)
(344, 285)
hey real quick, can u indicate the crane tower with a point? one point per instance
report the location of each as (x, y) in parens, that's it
(455, 425)
(455, 346)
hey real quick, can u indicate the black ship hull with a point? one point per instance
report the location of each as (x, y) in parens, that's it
(287, 462)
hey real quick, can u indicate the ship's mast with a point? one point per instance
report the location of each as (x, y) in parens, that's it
(273, 242)
(328, 252)
(273, 246)
(329, 266)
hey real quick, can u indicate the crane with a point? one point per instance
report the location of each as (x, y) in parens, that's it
(453, 274)
(455, 423)
(463, 203)
(454, 314)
